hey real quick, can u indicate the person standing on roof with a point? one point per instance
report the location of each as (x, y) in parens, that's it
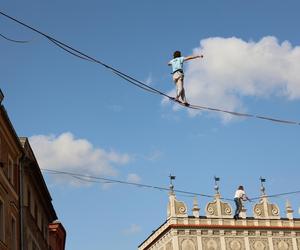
(178, 75)
(239, 197)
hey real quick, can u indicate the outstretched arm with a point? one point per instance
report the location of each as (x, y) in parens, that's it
(187, 58)
(245, 198)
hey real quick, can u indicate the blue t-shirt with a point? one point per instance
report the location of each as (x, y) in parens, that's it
(177, 63)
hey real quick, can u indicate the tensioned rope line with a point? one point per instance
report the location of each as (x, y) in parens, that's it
(82, 55)
(13, 40)
(278, 195)
(67, 50)
(96, 179)
(89, 178)
(126, 77)
(141, 84)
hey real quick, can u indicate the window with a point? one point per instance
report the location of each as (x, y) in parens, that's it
(2, 164)
(10, 169)
(13, 233)
(34, 246)
(42, 225)
(2, 222)
(45, 231)
(35, 211)
(29, 199)
(1, 161)
(39, 220)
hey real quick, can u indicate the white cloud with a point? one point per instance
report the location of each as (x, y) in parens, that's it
(133, 178)
(133, 229)
(66, 153)
(232, 69)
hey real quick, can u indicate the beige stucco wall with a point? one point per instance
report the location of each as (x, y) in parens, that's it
(225, 234)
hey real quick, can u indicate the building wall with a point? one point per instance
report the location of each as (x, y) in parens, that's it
(57, 236)
(35, 219)
(38, 209)
(26, 208)
(225, 234)
(10, 154)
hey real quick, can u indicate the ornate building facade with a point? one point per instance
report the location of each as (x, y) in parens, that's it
(217, 230)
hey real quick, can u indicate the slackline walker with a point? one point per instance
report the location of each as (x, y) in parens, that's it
(178, 74)
(77, 53)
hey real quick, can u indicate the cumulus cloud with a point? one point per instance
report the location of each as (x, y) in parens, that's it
(67, 153)
(233, 68)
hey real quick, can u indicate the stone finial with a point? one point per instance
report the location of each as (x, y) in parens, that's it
(175, 208)
(289, 211)
(196, 208)
(264, 209)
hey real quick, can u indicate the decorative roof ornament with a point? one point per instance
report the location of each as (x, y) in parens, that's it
(289, 210)
(264, 209)
(175, 208)
(262, 187)
(217, 179)
(172, 177)
(196, 208)
(218, 208)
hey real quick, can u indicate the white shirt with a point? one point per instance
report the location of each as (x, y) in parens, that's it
(240, 194)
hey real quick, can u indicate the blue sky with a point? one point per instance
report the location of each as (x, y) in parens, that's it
(82, 118)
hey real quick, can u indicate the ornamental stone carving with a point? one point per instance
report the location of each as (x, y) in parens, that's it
(180, 208)
(176, 208)
(169, 246)
(218, 208)
(211, 243)
(266, 210)
(259, 211)
(211, 209)
(226, 209)
(259, 244)
(188, 244)
(283, 244)
(235, 243)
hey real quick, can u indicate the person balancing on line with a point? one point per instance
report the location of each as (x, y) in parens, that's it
(239, 197)
(178, 75)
